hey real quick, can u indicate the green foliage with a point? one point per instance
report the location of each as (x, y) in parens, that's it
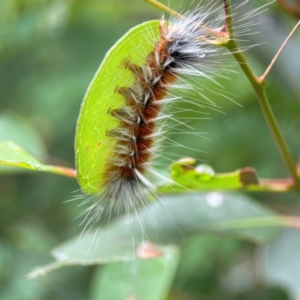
(167, 223)
(281, 261)
(93, 146)
(141, 279)
(49, 52)
(186, 176)
(12, 155)
(21, 132)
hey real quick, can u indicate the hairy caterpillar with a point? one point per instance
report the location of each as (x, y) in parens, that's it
(133, 122)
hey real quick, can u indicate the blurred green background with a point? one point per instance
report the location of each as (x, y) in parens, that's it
(49, 52)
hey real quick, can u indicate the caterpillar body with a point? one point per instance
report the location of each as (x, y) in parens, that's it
(128, 114)
(135, 136)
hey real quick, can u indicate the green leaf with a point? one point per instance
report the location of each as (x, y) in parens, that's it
(12, 155)
(281, 262)
(15, 128)
(92, 146)
(169, 220)
(199, 255)
(141, 279)
(186, 177)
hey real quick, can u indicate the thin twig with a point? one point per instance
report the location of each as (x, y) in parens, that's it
(263, 77)
(265, 185)
(221, 37)
(68, 172)
(164, 8)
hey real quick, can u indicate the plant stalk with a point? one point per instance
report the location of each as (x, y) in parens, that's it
(259, 88)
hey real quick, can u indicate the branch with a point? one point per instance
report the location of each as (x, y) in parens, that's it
(258, 86)
(185, 176)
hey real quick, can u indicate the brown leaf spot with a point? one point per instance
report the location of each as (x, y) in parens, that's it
(248, 176)
(87, 148)
(148, 250)
(99, 143)
(187, 163)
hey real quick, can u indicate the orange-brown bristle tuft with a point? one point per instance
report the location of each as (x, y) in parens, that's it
(152, 89)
